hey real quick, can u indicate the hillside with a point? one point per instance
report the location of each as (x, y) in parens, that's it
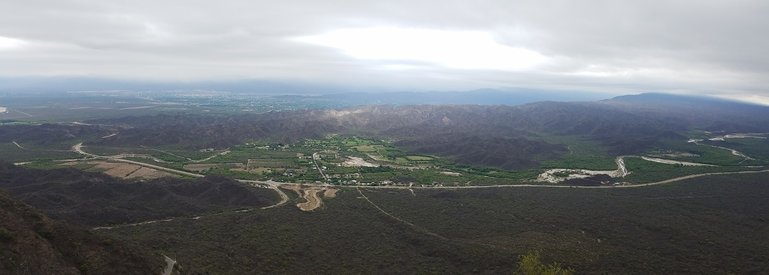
(507, 137)
(713, 225)
(95, 199)
(706, 113)
(31, 243)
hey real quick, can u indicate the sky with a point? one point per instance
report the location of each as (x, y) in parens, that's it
(612, 46)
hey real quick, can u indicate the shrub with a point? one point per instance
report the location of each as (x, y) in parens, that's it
(530, 264)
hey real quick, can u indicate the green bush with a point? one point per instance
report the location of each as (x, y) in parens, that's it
(530, 264)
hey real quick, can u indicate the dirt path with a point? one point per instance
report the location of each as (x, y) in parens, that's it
(314, 161)
(283, 197)
(169, 265)
(414, 226)
(734, 152)
(78, 148)
(20, 112)
(18, 145)
(675, 162)
(132, 224)
(212, 156)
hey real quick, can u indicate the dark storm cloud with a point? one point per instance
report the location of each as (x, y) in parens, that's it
(715, 47)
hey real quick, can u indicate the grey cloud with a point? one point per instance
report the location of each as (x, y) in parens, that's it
(688, 46)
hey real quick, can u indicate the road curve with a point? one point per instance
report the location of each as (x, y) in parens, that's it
(272, 185)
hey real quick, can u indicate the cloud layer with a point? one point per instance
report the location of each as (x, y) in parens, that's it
(716, 47)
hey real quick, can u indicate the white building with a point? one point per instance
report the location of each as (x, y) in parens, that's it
(3, 110)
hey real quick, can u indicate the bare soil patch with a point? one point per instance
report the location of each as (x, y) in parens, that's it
(310, 194)
(357, 162)
(149, 173)
(312, 200)
(330, 193)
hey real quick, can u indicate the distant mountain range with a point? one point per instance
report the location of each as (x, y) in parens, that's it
(503, 136)
(491, 135)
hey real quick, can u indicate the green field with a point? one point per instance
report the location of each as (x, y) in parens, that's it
(260, 160)
(705, 154)
(12, 153)
(583, 154)
(418, 158)
(643, 171)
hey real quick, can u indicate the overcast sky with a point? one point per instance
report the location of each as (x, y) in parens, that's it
(707, 47)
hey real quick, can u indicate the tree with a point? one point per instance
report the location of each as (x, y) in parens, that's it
(530, 264)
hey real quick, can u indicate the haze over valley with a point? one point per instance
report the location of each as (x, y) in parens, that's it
(420, 137)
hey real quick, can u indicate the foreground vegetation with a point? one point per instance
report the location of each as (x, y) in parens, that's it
(708, 225)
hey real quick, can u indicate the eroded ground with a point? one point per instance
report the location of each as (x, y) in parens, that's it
(311, 195)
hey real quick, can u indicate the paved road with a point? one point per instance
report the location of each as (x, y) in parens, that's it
(571, 186)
